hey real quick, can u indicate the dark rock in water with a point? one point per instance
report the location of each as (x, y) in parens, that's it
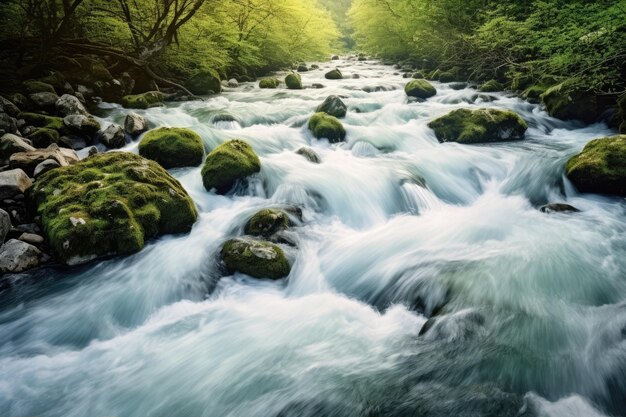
(479, 126)
(317, 85)
(446, 77)
(491, 86)
(454, 327)
(293, 81)
(333, 75)
(13, 182)
(309, 154)
(255, 258)
(600, 167)
(224, 117)
(228, 163)
(18, 256)
(569, 101)
(333, 106)
(420, 89)
(82, 125)
(267, 222)
(72, 142)
(109, 204)
(112, 137)
(458, 86)
(558, 208)
(334, 58)
(204, 82)
(323, 125)
(172, 147)
(135, 124)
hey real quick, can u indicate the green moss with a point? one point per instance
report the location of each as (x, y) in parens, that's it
(570, 100)
(228, 163)
(269, 83)
(34, 86)
(478, 126)
(41, 120)
(600, 167)
(293, 81)
(110, 203)
(447, 77)
(491, 86)
(420, 89)
(204, 82)
(434, 75)
(521, 82)
(534, 92)
(172, 147)
(143, 100)
(267, 222)
(323, 125)
(44, 137)
(418, 75)
(333, 75)
(255, 258)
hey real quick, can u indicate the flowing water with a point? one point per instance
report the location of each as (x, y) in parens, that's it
(530, 307)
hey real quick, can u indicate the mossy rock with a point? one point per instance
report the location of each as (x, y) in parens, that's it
(333, 75)
(418, 75)
(447, 77)
(44, 137)
(420, 89)
(228, 163)
(293, 81)
(109, 204)
(434, 76)
(491, 86)
(334, 106)
(41, 120)
(267, 222)
(34, 86)
(600, 167)
(521, 82)
(479, 126)
(269, 83)
(172, 147)
(323, 125)
(143, 100)
(570, 101)
(534, 92)
(256, 258)
(204, 82)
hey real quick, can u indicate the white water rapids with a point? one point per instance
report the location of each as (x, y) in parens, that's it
(530, 307)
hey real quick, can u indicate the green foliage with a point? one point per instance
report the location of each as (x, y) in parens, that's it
(323, 125)
(172, 147)
(228, 163)
(479, 126)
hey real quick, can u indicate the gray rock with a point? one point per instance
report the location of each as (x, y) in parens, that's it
(333, 106)
(73, 142)
(18, 256)
(7, 106)
(45, 166)
(28, 161)
(7, 124)
(309, 154)
(87, 152)
(135, 124)
(5, 225)
(31, 238)
(44, 100)
(113, 136)
(558, 208)
(13, 182)
(68, 104)
(10, 144)
(233, 83)
(81, 124)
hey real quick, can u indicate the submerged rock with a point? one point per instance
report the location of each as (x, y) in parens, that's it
(269, 83)
(228, 163)
(267, 222)
(255, 258)
(309, 154)
(600, 167)
(558, 208)
(172, 147)
(204, 82)
(479, 126)
(333, 106)
(143, 101)
(323, 125)
(334, 74)
(109, 204)
(293, 81)
(420, 89)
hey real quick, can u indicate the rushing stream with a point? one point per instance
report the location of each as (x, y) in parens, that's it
(530, 307)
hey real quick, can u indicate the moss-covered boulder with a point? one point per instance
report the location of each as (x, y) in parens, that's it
(334, 75)
(323, 125)
(204, 82)
(255, 258)
(41, 120)
(269, 83)
(267, 222)
(571, 101)
(491, 86)
(143, 100)
(172, 147)
(44, 137)
(446, 77)
(230, 162)
(34, 87)
(479, 126)
(600, 167)
(293, 81)
(533, 93)
(420, 88)
(334, 106)
(109, 204)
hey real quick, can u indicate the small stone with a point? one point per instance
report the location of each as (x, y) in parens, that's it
(18, 256)
(13, 182)
(31, 238)
(45, 166)
(135, 124)
(76, 221)
(113, 137)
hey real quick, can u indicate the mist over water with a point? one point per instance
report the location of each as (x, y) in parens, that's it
(530, 307)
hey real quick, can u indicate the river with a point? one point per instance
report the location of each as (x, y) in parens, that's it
(530, 307)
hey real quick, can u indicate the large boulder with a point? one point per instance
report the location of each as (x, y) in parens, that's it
(255, 258)
(479, 126)
(10, 144)
(420, 88)
(269, 83)
(334, 74)
(570, 101)
(228, 163)
(333, 106)
(293, 81)
(109, 204)
(204, 82)
(68, 104)
(323, 125)
(13, 182)
(600, 167)
(143, 100)
(17, 256)
(135, 124)
(172, 147)
(267, 222)
(28, 161)
(113, 137)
